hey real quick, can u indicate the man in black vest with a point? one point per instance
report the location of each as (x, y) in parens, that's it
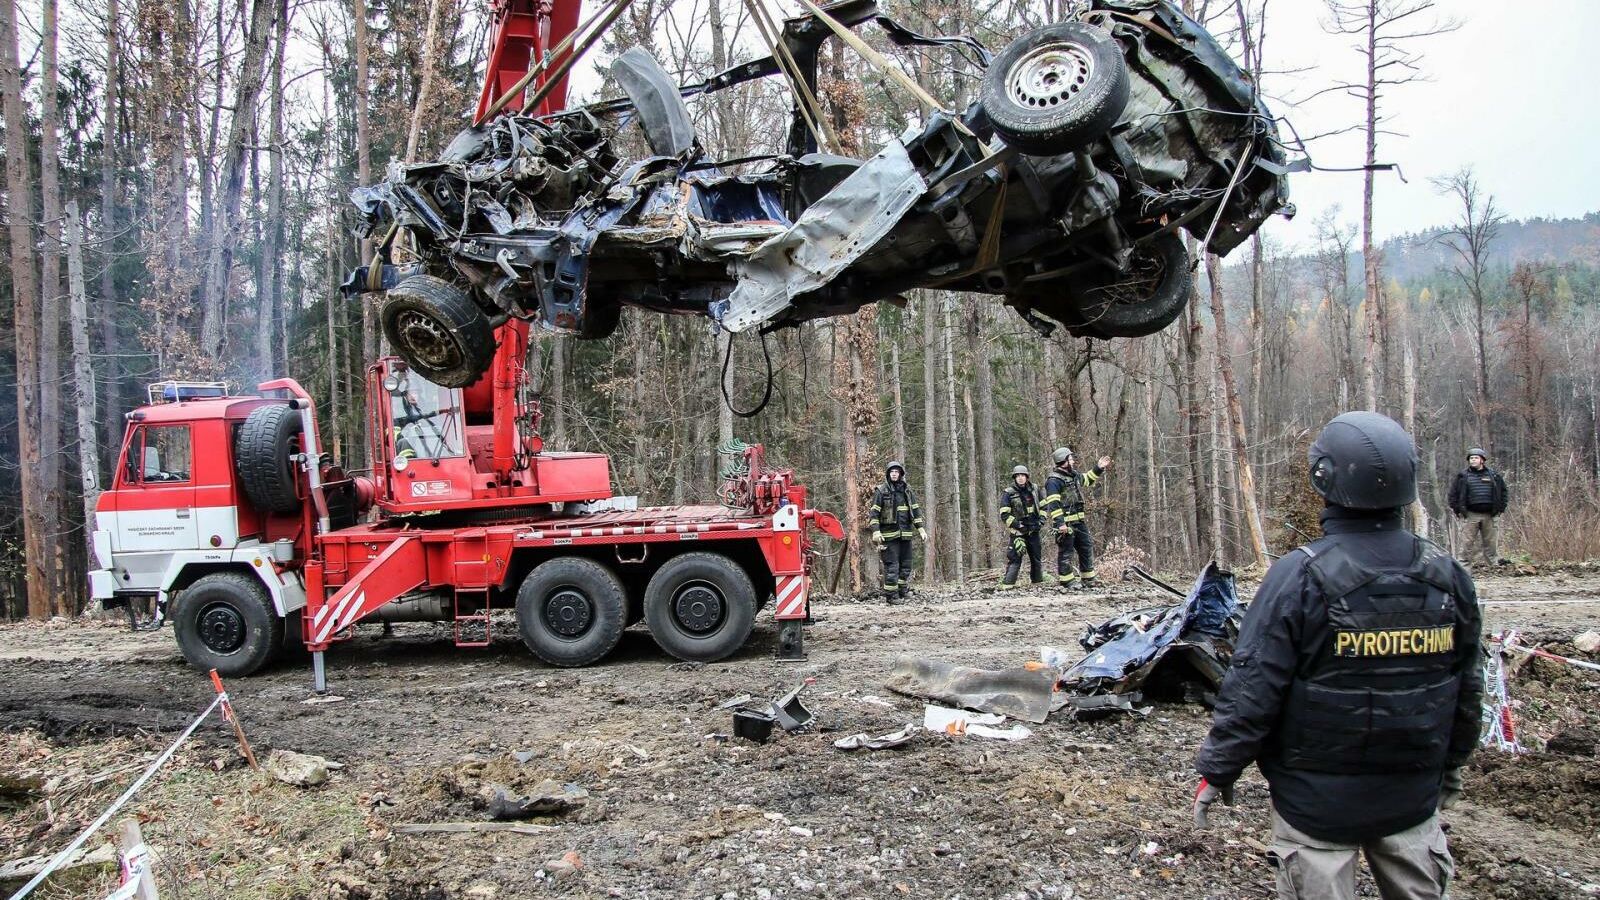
(1356, 683)
(1479, 496)
(1065, 500)
(1019, 512)
(896, 515)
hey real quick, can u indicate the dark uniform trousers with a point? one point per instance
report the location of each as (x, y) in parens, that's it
(896, 557)
(1019, 512)
(1064, 503)
(1074, 536)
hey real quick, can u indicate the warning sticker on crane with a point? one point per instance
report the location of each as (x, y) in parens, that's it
(430, 488)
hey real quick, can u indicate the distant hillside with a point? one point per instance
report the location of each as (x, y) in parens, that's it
(1417, 256)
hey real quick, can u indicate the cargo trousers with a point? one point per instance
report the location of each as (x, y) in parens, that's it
(1481, 537)
(1414, 864)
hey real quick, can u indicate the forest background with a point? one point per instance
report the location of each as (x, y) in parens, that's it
(177, 175)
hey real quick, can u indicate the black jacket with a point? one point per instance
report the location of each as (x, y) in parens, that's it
(1480, 491)
(1284, 627)
(896, 514)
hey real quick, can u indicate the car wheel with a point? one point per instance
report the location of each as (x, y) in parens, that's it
(571, 611)
(1143, 300)
(1056, 88)
(438, 330)
(262, 453)
(700, 606)
(225, 621)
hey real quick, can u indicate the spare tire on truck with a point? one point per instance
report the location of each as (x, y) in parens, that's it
(262, 453)
(700, 606)
(1055, 89)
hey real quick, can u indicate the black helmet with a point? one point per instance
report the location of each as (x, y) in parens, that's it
(894, 464)
(1364, 460)
(1019, 470)
(1478, 451)
(1061, 455)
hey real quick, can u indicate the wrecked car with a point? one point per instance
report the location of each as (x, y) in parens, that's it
(1063, 189)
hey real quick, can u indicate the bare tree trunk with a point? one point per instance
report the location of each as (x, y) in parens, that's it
(110, 342)
(985, 473)
(1419, 510)
(899, 400)
(1241, 443)
(51, 295)
(269, 300)
(1369, 256)
(330, 291)
(1194, 420)
(363, 100)
(556, 391)
(976, 538)
(1052, 430)
(724, 410)
(36, 524)
(224, 238)
(83, 374)
(928, 300)
(1150, 471)
(1217, 545)
(954, 425)
(430, 61)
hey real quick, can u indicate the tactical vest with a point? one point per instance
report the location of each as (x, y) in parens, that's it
(1070, 486)
(1480, 491)
(1379, 693)
(1019, 508)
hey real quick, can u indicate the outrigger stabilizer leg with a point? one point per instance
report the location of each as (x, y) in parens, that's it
(319, 674)
(792, 640)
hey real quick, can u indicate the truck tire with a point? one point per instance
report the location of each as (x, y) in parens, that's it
(571, 611)
(1144, 300)
(1056, 88)
(439, 330)
(261, 453)
(225, 621)
(700, 606)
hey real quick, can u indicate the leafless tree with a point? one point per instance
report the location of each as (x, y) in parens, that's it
(1470, 239)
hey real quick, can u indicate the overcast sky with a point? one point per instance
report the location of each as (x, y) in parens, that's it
(1512, 94)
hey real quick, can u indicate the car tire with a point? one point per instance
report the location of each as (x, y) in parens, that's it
(700, 607)
(1142, 301)
(262, 454)
(225, 621)
(571, 611)
(1056, 88)
(439, 331)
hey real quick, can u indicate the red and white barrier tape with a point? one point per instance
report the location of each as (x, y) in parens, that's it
(105, 817)
(1499, 727)
(1545, 654)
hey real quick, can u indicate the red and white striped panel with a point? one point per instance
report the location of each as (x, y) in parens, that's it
(791, 597)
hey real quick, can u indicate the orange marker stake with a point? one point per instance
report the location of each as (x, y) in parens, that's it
(228, 713)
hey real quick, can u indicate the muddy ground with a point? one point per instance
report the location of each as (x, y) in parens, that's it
(1079, 810)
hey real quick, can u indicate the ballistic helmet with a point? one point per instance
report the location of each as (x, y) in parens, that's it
(1478, 451)
(1061, 455)
(1364, 460)
(1019, 470)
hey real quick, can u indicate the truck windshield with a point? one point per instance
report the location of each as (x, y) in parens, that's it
(425, 416)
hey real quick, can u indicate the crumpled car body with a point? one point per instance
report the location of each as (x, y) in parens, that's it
(541, 219)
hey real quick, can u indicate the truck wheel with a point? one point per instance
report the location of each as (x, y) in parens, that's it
(700, 606)
(1143, 300)
(261, 453)
(439, 330)
(1056, 88)
(225, 621)
(571, 611)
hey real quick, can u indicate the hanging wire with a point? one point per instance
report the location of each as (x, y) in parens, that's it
(766, 394)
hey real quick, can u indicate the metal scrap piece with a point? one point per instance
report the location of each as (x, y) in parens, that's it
(1017, 693)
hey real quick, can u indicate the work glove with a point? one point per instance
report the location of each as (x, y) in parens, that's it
(877, 540)
(923, 534)
(1206, 795)
(1450, 788)
(1018, 544)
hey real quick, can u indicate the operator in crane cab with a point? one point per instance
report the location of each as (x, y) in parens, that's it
(1356, 684)
(1019, 512)
(1064, 502)
(896, 515)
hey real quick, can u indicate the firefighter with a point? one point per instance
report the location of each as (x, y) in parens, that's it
(896, 514)
(1479, 496)
(1356, 684)
(1064, 502)
(1019, 511)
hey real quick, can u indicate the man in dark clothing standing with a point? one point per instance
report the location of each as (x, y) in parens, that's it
(1356, 683)
(1019, 512)
(1065, 501)
(896, 514)
(1479, 496)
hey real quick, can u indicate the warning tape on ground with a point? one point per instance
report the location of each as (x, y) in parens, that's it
(105, 817)
(1545, 654)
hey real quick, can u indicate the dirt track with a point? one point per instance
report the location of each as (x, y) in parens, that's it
(1093, 810)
